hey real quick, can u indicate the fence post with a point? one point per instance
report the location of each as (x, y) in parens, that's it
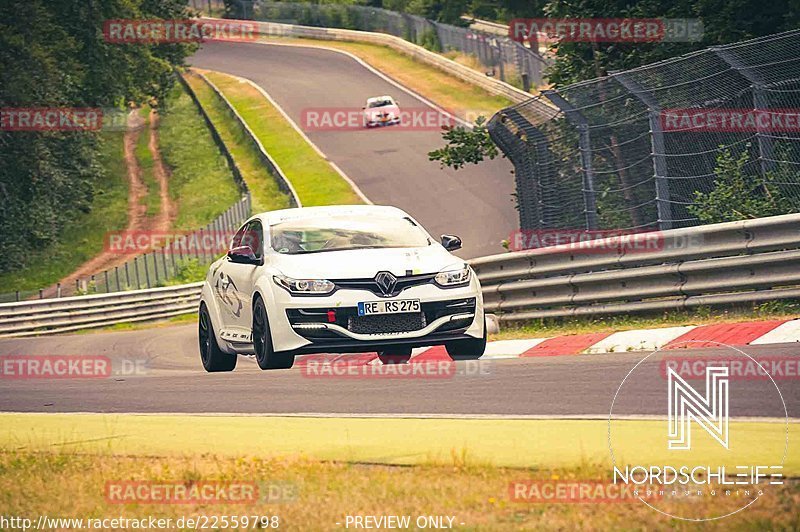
(760, 103)
(58, 289)
(585, 145)
(116, 276)
(657, 142)
(136, 267)
(146, 271)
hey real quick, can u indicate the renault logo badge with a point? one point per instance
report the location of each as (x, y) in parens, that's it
(386, 282)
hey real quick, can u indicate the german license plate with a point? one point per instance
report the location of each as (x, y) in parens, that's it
(367, 308)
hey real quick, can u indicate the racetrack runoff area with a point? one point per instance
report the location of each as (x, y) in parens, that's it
(393, 440)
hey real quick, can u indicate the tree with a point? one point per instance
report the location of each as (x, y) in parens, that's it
(738, 195)
(53, 54)
(465, 146)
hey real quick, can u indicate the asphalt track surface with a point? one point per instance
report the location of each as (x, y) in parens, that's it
(390, 165)
(172, 380)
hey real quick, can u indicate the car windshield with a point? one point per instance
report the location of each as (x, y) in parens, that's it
(337, 233)
(380, 103)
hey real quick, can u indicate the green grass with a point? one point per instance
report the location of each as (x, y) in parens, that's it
(315, 181)
(700, 316)
(82, 239)
(200, 183)
(145, 159)
(264, 189)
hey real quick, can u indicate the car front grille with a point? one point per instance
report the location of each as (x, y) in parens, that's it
(386, 323)
(402, 283)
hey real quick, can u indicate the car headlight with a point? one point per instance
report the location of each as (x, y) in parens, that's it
(318, 287)
(455, 277)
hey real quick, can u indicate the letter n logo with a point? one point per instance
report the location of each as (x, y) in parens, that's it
(686, 404)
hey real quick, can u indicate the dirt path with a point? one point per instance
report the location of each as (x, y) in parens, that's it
(137, 210)
(168, 210)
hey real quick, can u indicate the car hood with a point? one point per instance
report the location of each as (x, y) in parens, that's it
(364, 263)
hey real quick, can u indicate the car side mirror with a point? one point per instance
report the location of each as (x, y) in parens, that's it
(243, 255)
(451, 242)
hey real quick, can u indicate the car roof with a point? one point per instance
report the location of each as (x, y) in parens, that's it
(379, 98)
(275, 217)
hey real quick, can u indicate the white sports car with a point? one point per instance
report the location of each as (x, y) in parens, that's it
(344, 279)
(381, 111)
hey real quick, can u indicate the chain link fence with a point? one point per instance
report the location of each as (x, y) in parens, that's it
(660, 146)
(496, 55)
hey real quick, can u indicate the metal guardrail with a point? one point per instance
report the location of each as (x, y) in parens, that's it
(272, 167)
(732, 263)
(735, 262)
(491, 85)
(50, 316)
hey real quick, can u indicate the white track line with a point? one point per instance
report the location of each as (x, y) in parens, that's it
(316, 148)
(638, 340)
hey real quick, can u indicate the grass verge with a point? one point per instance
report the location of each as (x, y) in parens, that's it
(543, 328)
(459, 97)
(392, 441)
(84, 237)
(200, 183)
(315, 181)
(263, 187)
(72, 474)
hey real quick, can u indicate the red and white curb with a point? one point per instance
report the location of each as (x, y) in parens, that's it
(694, 336)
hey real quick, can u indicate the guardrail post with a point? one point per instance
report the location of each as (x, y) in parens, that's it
(146, 271)
(108, 288)
(585, 145)
(116, 275)
(657, 143)
(760, 103)
(92, 283)
(58, 290)
(41, 293)
(136, 268)
(16, 295)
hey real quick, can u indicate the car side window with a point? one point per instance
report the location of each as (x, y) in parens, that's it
(253, 236)
(237, 238)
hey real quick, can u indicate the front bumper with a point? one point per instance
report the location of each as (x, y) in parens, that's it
(331, 324)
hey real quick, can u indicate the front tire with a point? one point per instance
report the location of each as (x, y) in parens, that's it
(471, 349)
(213, 358)
(266, 357)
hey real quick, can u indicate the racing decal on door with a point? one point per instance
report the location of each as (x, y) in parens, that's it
(228, 294)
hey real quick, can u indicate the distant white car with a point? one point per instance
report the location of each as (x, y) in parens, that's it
(344, 279)
(381, 111)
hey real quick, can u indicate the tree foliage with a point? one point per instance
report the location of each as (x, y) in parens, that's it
(465, 146)
(737, 194)
(53, 54)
